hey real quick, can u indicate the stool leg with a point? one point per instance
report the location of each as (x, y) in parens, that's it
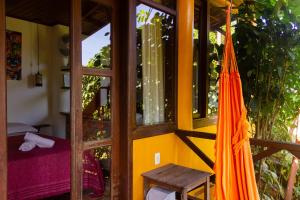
(184, 195)
(207, 189)
(146, 188)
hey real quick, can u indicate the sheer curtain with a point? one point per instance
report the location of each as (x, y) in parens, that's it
(153, 74)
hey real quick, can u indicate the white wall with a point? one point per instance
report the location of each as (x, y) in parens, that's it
(36, 105)
(60, 98)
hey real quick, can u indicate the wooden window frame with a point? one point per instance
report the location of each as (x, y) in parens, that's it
(144, 131)
(203, 81)
(78, 71)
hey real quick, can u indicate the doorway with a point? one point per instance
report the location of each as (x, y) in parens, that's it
(89, 75)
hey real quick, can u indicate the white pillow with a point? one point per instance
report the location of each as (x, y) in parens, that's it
(20, 128)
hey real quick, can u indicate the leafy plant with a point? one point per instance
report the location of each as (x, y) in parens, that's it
(267, 44)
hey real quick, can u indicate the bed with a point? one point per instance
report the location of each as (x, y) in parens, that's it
(43, 172)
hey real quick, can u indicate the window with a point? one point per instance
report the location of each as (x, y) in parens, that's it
(207, 59)
(155, 72)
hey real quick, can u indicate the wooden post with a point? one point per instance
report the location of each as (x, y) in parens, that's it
(76, 113)
(3, 137)
(185, 63)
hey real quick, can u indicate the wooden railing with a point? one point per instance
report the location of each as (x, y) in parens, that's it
(271, 146)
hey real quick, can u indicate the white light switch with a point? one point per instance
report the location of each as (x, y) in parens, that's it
(157, 158)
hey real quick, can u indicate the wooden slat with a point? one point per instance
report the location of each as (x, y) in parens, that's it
(76, 113)
(97, 72)
(153, 130)
(97, 143)
(204, 122)
(177, 177)
(115, 102)
(159, 6)
(292, 147)
(3, 137)
(265, 153)
(196, 134)
(127, 34)
(196, 150)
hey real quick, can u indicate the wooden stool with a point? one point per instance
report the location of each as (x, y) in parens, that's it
(177, 178)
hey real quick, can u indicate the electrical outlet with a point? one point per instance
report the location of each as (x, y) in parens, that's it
(157, 158)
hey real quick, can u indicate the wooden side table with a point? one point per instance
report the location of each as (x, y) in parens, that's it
(177, 178)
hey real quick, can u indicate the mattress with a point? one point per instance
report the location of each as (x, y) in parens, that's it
(43, 172)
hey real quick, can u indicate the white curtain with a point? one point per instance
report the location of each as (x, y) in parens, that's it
(153, 73)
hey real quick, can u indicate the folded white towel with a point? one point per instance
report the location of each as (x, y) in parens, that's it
(27, 146)
(39, 141)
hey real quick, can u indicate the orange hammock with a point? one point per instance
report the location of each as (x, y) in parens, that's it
(235, 177)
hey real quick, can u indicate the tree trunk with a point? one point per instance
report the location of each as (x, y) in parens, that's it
(295, 163)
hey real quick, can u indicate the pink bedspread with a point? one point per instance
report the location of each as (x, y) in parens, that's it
(42, 173)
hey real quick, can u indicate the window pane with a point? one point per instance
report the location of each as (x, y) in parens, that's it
(96, 35)
(96, 110)
(196, 60)
(96, 173)
(215, 53)
(155, 66)
(215, 45)
(167, 3)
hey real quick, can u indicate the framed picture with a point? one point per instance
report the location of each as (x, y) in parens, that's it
(13, 55)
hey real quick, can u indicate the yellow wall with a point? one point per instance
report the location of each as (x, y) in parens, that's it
(143, 158)
(171, 148)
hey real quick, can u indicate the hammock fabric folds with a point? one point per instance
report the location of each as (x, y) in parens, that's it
(235, 177)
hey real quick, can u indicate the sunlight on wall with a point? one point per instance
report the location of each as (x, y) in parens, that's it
(172, 149)
(143, 158)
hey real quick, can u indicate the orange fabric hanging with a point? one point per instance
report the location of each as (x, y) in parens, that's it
(235, 177)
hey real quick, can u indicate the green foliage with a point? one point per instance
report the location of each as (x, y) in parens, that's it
(267, 44)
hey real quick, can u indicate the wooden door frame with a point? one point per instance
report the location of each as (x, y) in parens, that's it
(77, 71)
(3, 116)
(76, 112)
(119, 181)
(127, 19)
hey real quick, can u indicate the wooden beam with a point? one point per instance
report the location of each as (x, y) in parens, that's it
(97, 72)
(127, 85)
(115, 102)
(158, 6)
(203, 59)
(98, 143)
(3, 120)
(153, 130)
(265, 153)
(196, 134)
(291, 147)
(76, 113)
(204, 122)
(196, 150)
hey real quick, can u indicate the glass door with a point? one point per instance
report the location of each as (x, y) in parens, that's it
(95, 102)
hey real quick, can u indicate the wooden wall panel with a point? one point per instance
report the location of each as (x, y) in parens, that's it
(127, 84)
(76, 113)
(3, 138)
